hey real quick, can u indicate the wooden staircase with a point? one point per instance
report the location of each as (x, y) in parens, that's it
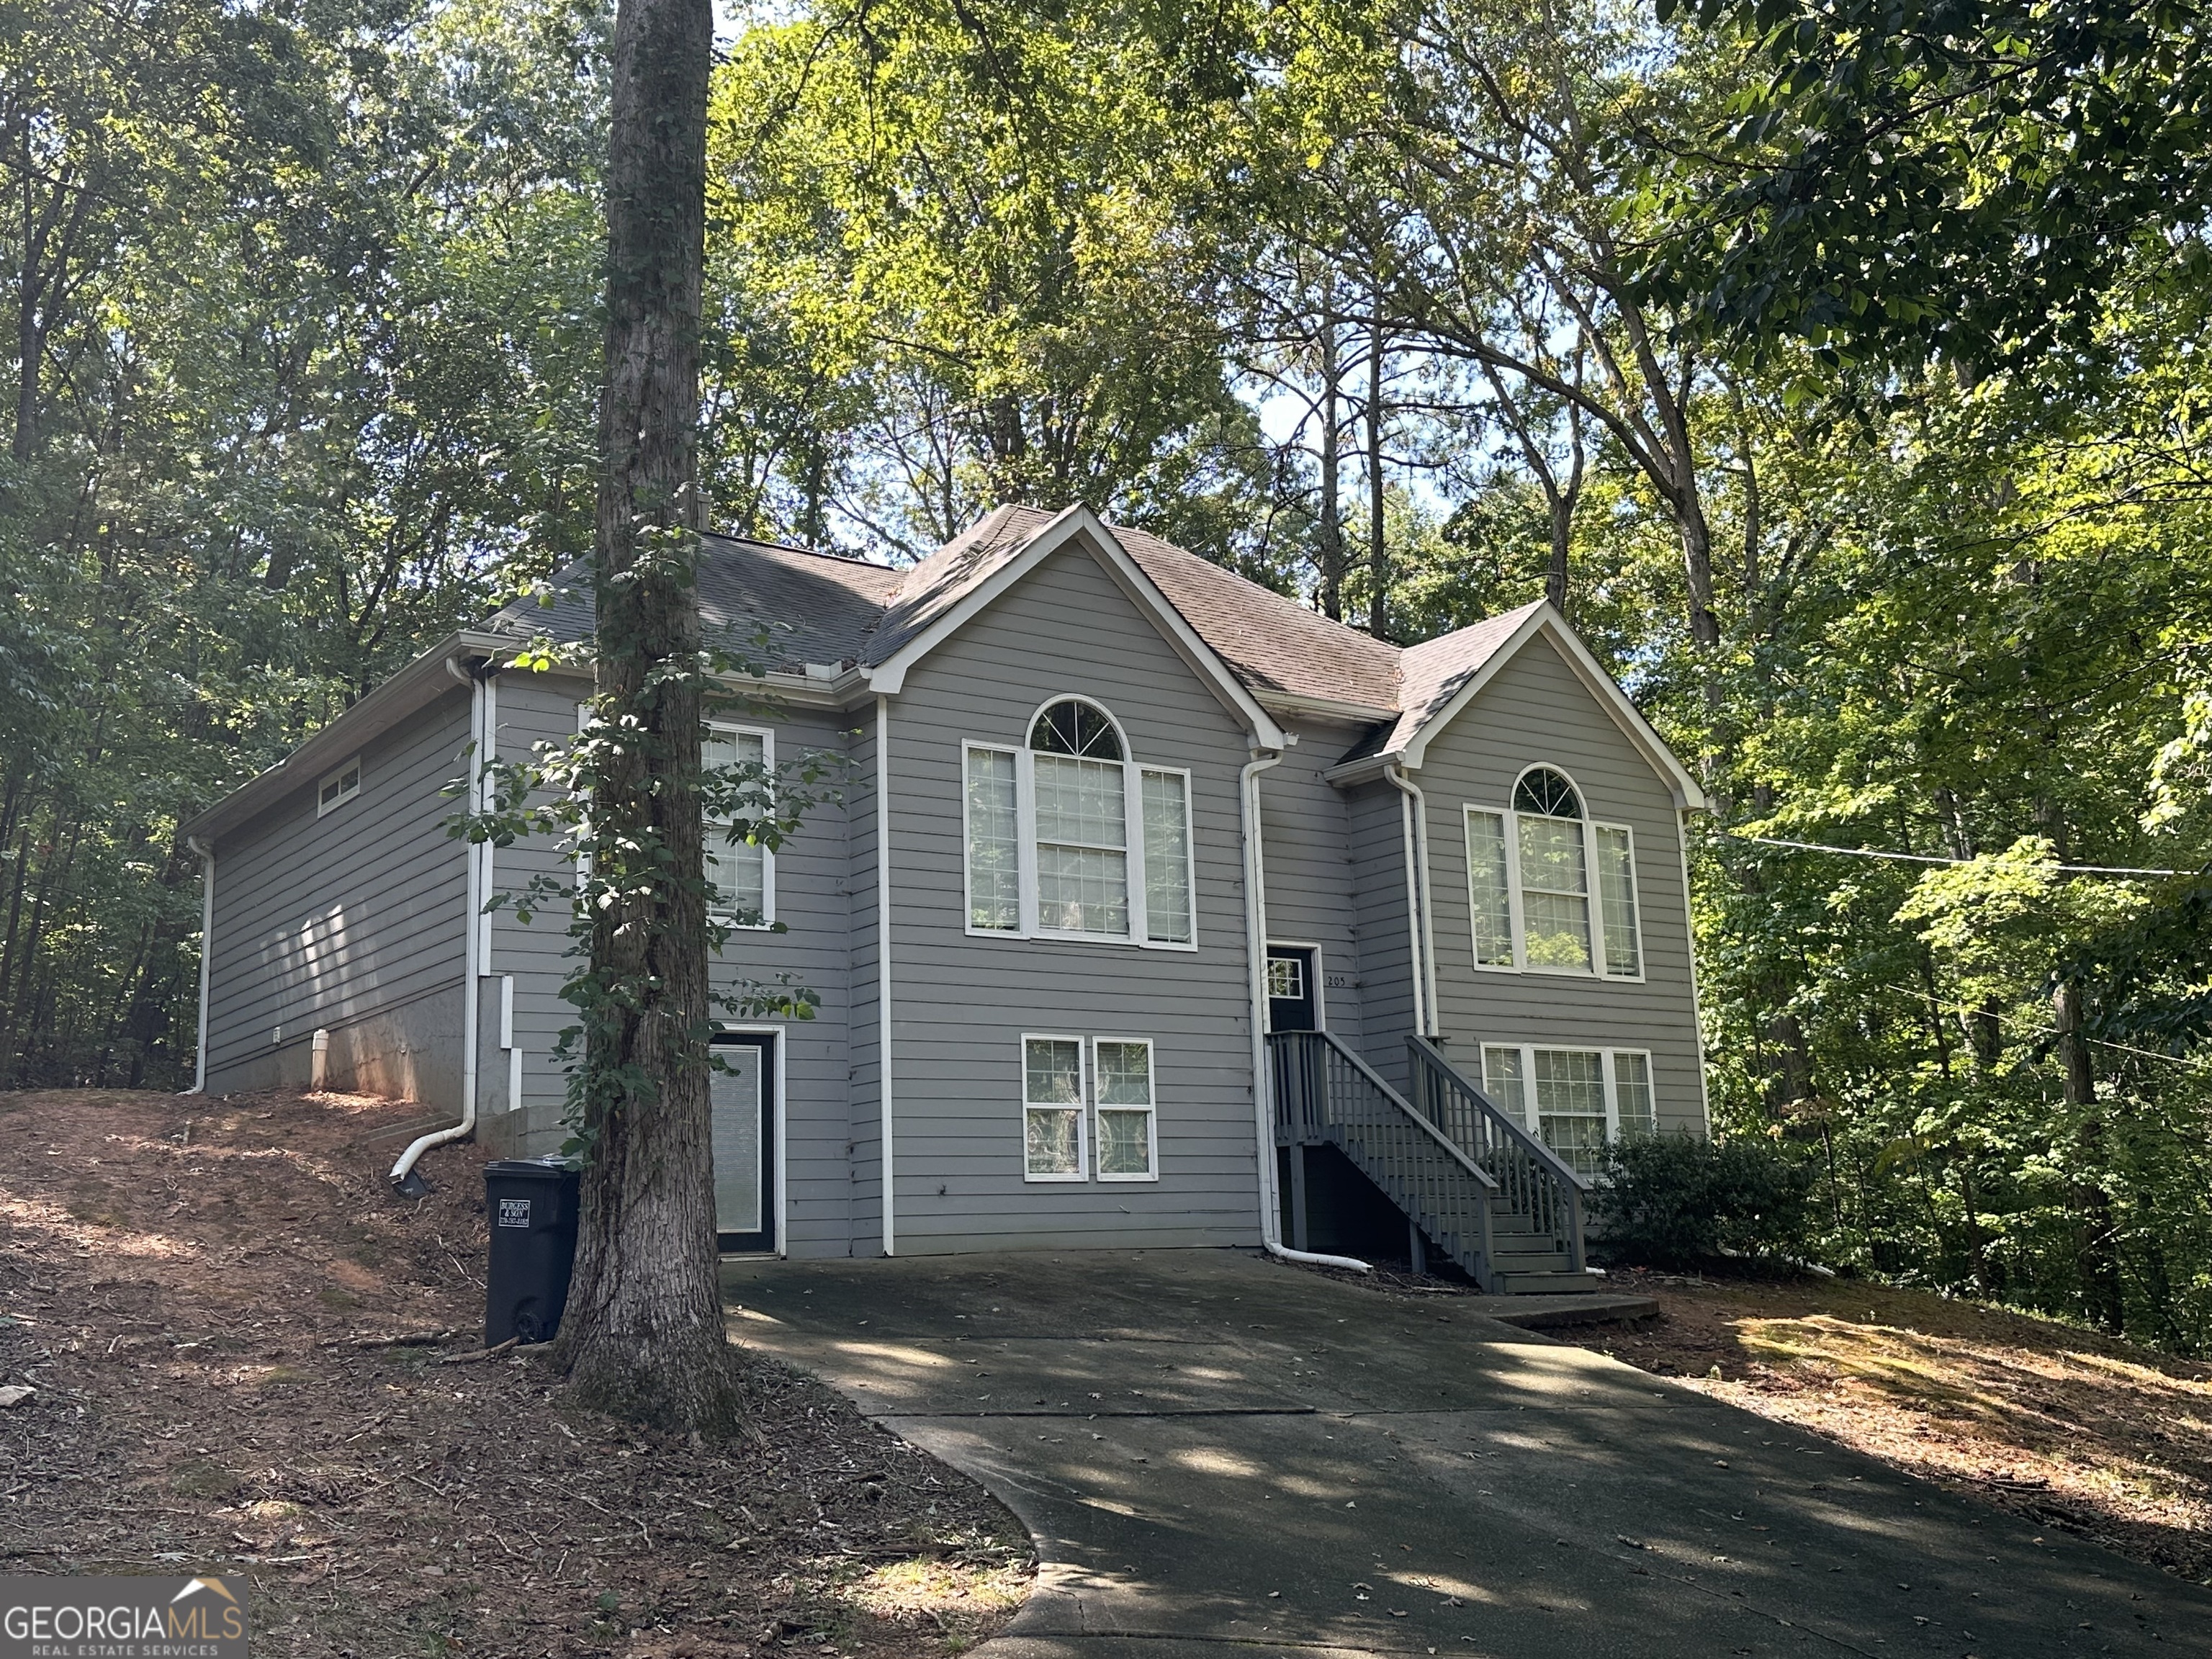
(1492, 1196)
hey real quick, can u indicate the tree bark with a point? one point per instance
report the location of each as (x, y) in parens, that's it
(1378, 552)
(1331, 531)
(644, 1336)
(2098, 1251)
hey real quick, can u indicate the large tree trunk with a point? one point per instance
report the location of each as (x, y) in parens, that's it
(1378, 548)
(643, 1335)
(1331, 529)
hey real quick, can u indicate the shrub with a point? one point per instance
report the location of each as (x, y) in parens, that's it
(1677, 1200)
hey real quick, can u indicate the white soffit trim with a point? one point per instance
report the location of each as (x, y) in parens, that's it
(1546, 621)
(888, 678)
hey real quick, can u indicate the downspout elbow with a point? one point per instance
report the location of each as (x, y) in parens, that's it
(405, 1177)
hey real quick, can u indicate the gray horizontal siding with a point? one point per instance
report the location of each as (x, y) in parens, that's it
(961, 1004)
(1536, 711)
(1376, 828)
(812, 872)
(1306, 838)
(322, 921)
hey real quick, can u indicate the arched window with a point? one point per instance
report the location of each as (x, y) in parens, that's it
(1072, 727)
(1067, 836)
(1532, 873)
(1543, 791)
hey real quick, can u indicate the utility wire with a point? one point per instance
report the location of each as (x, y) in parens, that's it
(1919, 991)
(1924, 858)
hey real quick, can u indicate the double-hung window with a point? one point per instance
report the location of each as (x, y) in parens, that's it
(1548, 890)
(1068, 837)
(740, 873)
(1575, 1099)
(1088, 1109)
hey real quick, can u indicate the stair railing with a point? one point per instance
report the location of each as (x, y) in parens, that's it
(1326, 1094)
(1533, 1181)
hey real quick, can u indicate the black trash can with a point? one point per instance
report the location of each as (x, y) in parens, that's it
(531, 1203)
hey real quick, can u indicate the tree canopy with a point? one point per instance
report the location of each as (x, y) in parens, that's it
(1837, 368)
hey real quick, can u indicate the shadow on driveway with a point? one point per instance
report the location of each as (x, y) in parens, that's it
(1221, 1456)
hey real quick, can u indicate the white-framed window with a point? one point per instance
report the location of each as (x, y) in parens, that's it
(1127, 1138)
(1066, 838)
(1576, 1100)
(1286, 979)
(338, 787)
(740, 874)
(1053, 1142)
(1549, 891)
(1088, 1109)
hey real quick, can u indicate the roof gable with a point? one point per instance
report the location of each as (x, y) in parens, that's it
(952, 587)
(1445, 674)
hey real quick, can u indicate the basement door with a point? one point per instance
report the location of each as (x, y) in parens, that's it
(742, 1104)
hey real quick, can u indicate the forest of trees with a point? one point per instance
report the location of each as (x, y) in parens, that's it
(1838, 369)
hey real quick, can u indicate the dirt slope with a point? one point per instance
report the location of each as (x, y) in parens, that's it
(241, 1347)
(2070, 1429)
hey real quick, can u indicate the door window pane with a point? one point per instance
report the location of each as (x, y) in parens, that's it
(1167, 858)
(1554, 894)
(1616, 889)
(1052, 1111)
(1488, 894)
(1632, 1093)
(1286, 979)
(736, 1104)
(737, 872)
(994, 886)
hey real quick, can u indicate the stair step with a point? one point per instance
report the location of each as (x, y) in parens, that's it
(1550, 1284)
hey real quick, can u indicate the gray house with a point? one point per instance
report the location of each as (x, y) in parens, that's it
(1158, 911)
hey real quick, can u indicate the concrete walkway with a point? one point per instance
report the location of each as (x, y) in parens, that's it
(1221, 1456)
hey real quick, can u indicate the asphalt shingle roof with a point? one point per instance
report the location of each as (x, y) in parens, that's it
(821, 609)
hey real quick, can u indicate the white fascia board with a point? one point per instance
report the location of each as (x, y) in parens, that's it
(1291, 705)
(421, 683)
(889, 677)
(1547, 620)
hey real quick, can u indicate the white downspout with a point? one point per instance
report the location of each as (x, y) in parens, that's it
(1421, 964)
(1255, 955)
(403, 1173)
(207, 955)
(1696, 1002)
(883, 953)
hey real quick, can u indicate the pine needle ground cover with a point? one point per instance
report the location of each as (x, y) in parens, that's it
(246, 1353)
(2068, 1428)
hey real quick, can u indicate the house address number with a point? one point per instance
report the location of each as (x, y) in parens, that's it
(1339, 983)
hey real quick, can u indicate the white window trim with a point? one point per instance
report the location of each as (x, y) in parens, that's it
(1594, 896)
(1151, 1110)
(353, 765)
(767, 923)
(1132, 850)
(1532, 1117)
(1081, 1108)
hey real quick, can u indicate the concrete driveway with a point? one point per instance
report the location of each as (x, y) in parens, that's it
(1219, 1454)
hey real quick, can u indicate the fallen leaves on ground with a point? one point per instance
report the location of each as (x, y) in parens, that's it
(2063, 1426)
(238, 1341)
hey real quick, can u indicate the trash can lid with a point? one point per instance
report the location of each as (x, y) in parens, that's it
(550, 1168)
